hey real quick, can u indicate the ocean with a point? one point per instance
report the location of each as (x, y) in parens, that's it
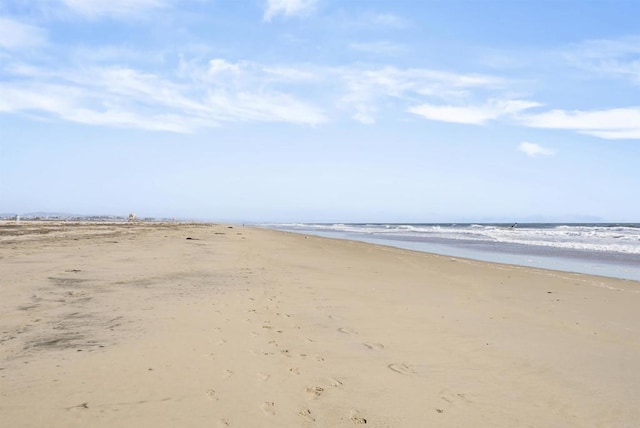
(605, 249)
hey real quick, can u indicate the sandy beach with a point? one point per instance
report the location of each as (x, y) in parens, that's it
(202, 325)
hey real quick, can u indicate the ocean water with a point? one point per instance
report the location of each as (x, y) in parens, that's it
(611, 250)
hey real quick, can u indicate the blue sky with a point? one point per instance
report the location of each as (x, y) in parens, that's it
(322, 110)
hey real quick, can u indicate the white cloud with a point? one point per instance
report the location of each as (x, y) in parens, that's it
(629, 134)
(17, 35)
(365, 89)
(533, 150)
(217, 66)
(217, 90)
(36, 97)
(620, 123)
(288, 8)
(360, 91)
(127, 119)
(618, 58)
(262, 107)
(200, 94)
(124, 97)
(75, 104)
(469, 115)
(474, 115)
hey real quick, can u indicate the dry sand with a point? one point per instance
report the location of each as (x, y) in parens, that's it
(135, 325)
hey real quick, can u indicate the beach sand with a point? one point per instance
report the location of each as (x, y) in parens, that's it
(199, 325)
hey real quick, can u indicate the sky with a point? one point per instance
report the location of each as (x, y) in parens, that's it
(322, 110)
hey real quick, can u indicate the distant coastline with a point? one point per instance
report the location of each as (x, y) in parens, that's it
(80, 217)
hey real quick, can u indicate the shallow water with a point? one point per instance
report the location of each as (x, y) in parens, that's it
(596, 249)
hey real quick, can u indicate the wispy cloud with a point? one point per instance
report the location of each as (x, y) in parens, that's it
(473, 115)
(357, 90)
(613, 124)
(208, 93)
(197, 94)
(364, 89)
(124, 97)
(18, 35)
(288, 8)
(619, 58)
(533, 150)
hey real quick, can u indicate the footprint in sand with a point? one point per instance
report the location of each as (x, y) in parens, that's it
(211, 394)
(347, 331)
(454, 398)
(223, 423)
(264, 376)
(401, 368)
(356, 418)
(227, 374)
(335, 382)
(314, 392)
(306, 414)
(374, 346)
(267, 408)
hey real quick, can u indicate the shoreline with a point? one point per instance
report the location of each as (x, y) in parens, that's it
(621, 266)
(223, 325)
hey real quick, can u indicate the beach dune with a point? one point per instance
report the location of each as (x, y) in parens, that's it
(200, 325)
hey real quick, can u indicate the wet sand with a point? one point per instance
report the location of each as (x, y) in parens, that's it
(165, 325)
